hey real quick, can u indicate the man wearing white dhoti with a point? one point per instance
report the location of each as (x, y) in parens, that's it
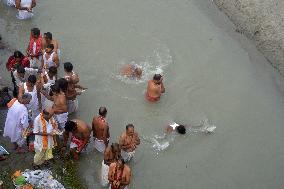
(128, 142)
(33, 89)
(17, 121)
(25, 8)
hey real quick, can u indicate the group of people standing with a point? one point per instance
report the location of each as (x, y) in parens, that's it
(43, 102)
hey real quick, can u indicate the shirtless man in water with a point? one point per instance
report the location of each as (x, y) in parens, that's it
(101, 130)
(112, 154)
(155, 88)
(131, 71)
(71, 94)
(128, 141)
(80, 136)
(59, 107)
(119, 175)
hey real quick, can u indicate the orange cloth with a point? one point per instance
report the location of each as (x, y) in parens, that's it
(150, 98)
(44, 131)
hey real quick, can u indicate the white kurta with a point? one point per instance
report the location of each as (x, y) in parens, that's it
(16, 122)
(23, 14)
(38, 138)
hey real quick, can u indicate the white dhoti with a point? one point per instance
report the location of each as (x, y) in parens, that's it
(11, 3)
(61, 119)
(126, 187)
(100, 145)
(72, 105)
(104, 174)
(127, 156)
(35, 63)
(23, 15)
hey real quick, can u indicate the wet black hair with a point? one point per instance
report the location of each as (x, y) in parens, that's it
(181, 129)
(48, 35)
(62, 84)
(35, 31)
(50, 46)
(54, 89)
(129, 126)
(157, 77)
(18, 54)
(21, 69)
(70, 126)
(52, 70)
(68, 66)
(102, 111)
(32, 79)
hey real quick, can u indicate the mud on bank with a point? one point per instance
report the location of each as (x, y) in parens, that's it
(261, 21)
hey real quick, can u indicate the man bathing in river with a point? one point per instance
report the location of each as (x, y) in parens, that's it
(34, 48)
(181, 129)
(59, 107)
(155, 88)
(128, 141)
(101, 130)
(119, 175)
(71, 94)
(80, 136)
(49, 58)
(131, 71)
(112, 154)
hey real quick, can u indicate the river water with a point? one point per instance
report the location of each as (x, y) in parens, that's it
(210, 73)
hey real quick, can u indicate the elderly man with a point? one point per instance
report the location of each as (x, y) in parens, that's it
(119, 175)
(155, 88)
(128, 142)
(80, 132)
(101, 130)
(17, 121)
(43, 144)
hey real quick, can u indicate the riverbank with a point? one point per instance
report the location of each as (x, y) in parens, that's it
(65, 171)
(261, 21)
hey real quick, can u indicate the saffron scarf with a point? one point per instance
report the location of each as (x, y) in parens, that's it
(44, 131)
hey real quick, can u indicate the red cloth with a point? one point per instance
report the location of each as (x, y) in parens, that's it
(78, 142)
(38, 45)
(25, 62)
(151, 99)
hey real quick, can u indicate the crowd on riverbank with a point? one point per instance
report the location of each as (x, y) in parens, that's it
(37, 117)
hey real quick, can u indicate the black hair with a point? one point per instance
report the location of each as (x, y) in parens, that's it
(54, 89)
(52, 70)
(129, 126)
(18, 54)
(35, 31)
(45, 112)
(62, 84)
(102, 111)
(48, 35)
(181, 129)
(50, 46)
(21, 69)
(122, 160)
(32, 79)
(157, 77)
(70, 126)
(68, 66)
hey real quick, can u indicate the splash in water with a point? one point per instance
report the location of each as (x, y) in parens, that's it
(152, 64)
(162, 142)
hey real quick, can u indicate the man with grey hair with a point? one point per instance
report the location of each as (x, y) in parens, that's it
(17, 121)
